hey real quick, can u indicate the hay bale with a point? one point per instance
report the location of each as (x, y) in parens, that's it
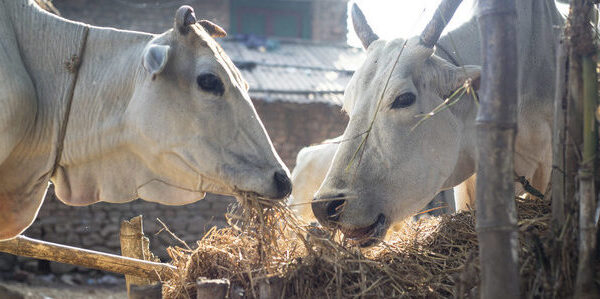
(433, 257)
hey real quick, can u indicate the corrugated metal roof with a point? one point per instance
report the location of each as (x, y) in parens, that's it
(297, 71)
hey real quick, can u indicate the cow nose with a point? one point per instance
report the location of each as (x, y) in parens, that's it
(283, 184)
(328, 211)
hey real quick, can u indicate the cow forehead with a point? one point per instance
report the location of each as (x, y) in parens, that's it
(392, 60)
(201, 39)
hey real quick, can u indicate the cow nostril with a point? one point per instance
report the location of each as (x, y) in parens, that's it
(334, 209)
(283, 184)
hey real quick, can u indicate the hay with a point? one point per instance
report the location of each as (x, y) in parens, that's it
(434, 257)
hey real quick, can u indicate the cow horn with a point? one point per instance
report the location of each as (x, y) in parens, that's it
(184, 17)
(442, 16)
(362, 28)
(213, 29)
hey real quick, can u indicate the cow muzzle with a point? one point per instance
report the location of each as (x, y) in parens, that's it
(329, 210)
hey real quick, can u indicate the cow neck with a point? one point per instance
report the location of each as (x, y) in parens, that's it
(73, 67)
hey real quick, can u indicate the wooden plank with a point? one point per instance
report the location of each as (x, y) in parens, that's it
(24, 246)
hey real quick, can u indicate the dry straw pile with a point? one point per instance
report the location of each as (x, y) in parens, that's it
(434, 257)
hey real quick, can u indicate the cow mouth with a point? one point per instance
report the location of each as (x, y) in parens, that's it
(370, 235)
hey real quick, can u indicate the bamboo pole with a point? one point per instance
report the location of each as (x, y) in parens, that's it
(24, 246)
(559, 141)
(585, 286)
(496, 130)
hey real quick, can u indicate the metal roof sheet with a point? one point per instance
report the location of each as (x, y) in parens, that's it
(300, 71)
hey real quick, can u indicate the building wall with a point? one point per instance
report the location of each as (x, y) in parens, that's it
(293, 126)
(329, 20)
(329, 17)
(141, 15)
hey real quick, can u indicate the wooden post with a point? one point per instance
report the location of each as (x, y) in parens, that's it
(559, 142)
(212, 288)
(24, 246)
(496, 130)
(135, 245)
(270, 288)
(585, 286)
(583, 85)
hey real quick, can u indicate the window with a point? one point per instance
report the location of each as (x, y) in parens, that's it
(277, 18)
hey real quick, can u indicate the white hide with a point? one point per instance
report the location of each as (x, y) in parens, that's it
(163, 117)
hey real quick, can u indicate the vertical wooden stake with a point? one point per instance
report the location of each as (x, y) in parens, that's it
(559, 144)
(135, 245)
(496, 129)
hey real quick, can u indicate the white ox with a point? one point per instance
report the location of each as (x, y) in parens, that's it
(399, 170)
(112, 115)
(312, 164)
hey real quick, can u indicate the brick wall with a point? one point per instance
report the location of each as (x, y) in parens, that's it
(329, 20)
(293, 126)
(145, 15)
(329, 17)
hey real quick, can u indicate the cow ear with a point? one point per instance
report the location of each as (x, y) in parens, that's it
(464, 73)
(213, 29)
(155, 59)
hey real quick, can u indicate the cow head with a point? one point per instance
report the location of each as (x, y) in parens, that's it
(189, 128)
(388, 167)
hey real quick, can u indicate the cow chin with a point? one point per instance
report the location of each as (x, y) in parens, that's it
(165, 193)
(370, 235)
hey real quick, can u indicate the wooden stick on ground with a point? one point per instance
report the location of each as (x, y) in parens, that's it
(24, 246)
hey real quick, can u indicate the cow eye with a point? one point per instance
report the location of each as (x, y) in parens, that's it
(404, 100)
(211, 83)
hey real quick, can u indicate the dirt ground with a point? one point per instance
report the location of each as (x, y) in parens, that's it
(64, 291)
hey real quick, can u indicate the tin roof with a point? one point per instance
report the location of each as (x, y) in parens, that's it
(294, 70)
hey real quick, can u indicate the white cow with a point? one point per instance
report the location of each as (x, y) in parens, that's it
(112, 115)
(401, 167)
(312, 164)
